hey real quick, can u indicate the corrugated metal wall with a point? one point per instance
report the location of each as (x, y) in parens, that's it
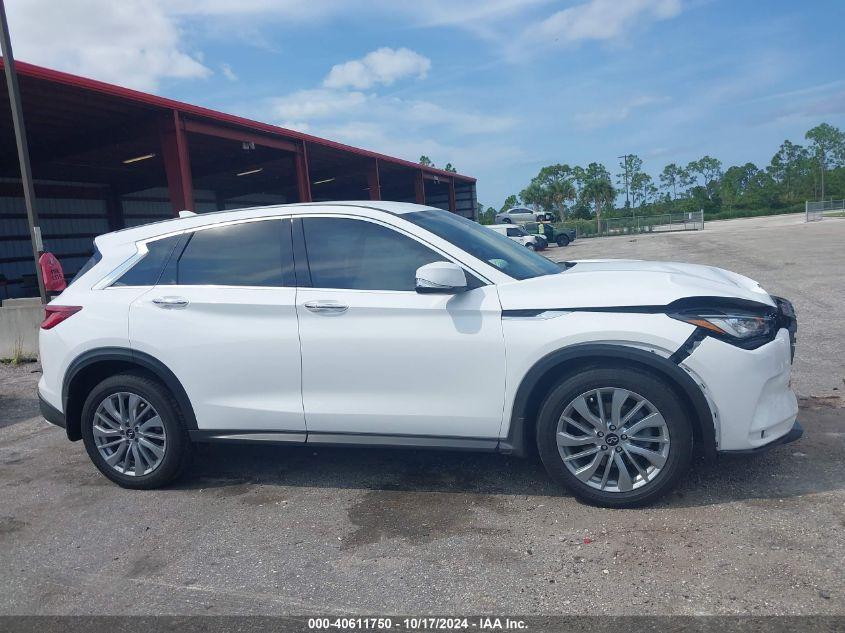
(68, 227)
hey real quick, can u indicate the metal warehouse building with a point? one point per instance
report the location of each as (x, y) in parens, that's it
(106, 157)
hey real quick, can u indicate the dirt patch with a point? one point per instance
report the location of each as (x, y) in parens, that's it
(146, 565)
(10, 525)
(831, 402)
(418, 517)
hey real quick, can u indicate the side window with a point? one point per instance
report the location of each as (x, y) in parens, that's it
(360, 255)
(147, 271)
(249, 254)
(514, 232)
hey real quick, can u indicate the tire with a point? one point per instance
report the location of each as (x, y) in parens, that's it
(506, 221)
(562, 240)
(530, 246)
(148, 398)
(611, 489)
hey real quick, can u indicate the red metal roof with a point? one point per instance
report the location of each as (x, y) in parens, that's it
(39, 72)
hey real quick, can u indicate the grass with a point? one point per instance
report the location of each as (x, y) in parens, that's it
(18, 356)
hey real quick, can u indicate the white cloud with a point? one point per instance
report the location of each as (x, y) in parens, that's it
(618, 112)
(133, 43)
(603, 19)
(319, 103)
(382, 66)
(228, 73)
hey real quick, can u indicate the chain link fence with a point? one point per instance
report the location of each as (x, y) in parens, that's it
(816, 210)
(662, 223)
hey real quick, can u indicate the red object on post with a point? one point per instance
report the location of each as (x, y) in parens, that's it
(52, 273)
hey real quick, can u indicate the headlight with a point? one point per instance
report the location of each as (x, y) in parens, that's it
(745, 329)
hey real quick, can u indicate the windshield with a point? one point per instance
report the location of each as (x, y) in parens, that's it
(510, 257)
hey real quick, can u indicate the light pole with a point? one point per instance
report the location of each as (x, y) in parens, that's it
(624, 157)
(23, 148)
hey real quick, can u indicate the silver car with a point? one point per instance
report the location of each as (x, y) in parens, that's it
(515, 215)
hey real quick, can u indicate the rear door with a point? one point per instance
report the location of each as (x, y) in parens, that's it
(223, 319)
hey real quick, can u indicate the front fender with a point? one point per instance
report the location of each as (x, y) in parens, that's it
(567, 341)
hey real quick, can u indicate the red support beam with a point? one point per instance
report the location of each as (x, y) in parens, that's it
(303, 180)
(419, 187)
(373, 181)
(211, 129)
(177, 163)
(453, 203)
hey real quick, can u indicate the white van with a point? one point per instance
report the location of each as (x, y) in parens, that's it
(517, 234)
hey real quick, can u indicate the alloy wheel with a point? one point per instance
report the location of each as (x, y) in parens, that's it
(613, 439)
(129, 434)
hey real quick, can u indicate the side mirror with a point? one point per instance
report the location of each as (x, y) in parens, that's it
(441, 277)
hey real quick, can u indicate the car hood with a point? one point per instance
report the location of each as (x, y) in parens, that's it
(608, 283)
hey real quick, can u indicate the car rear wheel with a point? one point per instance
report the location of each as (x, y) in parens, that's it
(531, 246)
(562, 240)
(506, 221)
(133, 432)
(616, 437)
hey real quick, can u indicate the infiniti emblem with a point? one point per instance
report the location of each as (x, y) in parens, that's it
(611, 439)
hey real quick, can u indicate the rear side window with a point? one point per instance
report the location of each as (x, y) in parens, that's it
(249, 254)
(147, 271)
(92, 261)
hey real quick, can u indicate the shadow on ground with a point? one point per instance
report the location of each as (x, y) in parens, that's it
(813, 464)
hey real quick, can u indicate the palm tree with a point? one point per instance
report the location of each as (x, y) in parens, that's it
(598, 189)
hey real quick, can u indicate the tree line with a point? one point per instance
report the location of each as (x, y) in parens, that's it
(795, 173)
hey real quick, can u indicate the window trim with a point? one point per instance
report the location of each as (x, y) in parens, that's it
(142, 249)
(300, 235)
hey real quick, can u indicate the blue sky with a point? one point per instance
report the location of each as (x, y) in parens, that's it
(498, 87)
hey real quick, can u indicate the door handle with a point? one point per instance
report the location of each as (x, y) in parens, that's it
(326, 307)
(170, 303)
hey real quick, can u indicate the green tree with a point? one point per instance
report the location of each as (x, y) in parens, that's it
(709, 169)
(510, 202)
(598, 189)
(673, 178)
(550, 189)
(631, 167)
(828, 148)
(449, 167)
(642, 188)
(426, 161)
(791, 169)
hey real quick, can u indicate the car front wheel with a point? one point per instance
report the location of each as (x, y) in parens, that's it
(616, 437)
(531, 246)
(562, 240)
(133, 432)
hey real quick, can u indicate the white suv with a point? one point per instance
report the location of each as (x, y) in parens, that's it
(392, 324)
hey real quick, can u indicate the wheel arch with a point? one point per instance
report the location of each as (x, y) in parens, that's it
(555, 366)
(91, 367)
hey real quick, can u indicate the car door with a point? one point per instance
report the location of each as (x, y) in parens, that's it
(223, 319)
(380, 359)
(517, 235)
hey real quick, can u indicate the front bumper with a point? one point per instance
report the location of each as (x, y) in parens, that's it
(795, 433)
(748, 390)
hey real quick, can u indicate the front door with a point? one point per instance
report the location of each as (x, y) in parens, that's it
(223, 319)
(377, 357)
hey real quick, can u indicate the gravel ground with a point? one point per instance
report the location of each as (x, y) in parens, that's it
(259, 530)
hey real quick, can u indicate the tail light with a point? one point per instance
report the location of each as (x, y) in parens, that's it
(53, 315)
